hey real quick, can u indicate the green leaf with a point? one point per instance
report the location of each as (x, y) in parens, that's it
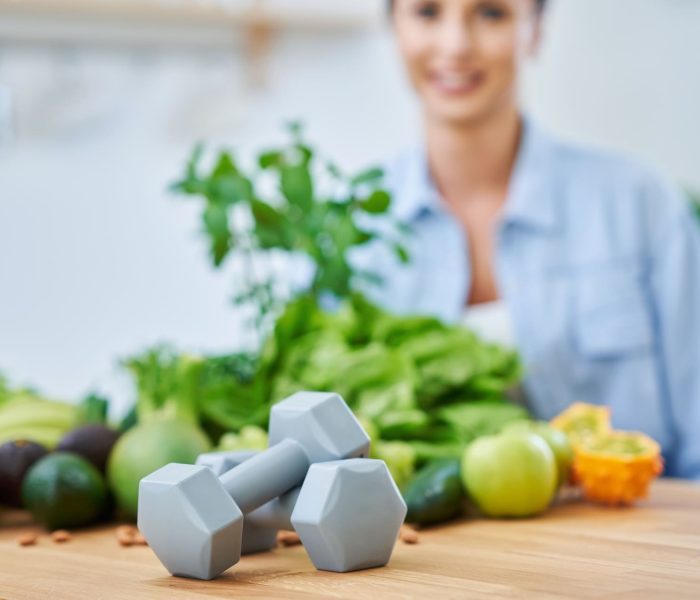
(481, 418)
(306, 153)
(272, 228)
(296, 185)
(216, 225)
(362, 236)
(372, 175)
(401, 253)
(191, 187)
(402, 424)
(378, 202)
(193, 162)
(225, 166)
(271, 159)
(229, 189)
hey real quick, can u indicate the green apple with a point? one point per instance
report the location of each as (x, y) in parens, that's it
(512, 474)
(557, 440)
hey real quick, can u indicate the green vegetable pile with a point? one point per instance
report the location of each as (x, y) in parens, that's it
(422, 388)
(432, 386)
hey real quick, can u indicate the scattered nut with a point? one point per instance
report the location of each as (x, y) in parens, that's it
(408, 535)
(126, 535)
(27, 539)
(61, 535)
(288, 538)
(126, 530)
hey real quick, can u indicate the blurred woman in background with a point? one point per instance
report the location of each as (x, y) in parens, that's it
(586, 262)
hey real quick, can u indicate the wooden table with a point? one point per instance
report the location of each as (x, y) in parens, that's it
(574, 551)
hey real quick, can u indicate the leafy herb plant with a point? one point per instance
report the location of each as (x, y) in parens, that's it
(312, 209)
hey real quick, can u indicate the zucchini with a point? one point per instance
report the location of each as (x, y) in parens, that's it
(435, 494)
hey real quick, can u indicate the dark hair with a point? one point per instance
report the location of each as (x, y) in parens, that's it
(540, 4)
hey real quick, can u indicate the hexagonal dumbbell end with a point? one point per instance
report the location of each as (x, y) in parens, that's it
(322, 423)
(348, 514)
(190, 521)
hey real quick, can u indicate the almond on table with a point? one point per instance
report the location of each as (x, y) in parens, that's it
(288, 538)
(126, 535)
(60, 536)
(408, 535)
(27, 539)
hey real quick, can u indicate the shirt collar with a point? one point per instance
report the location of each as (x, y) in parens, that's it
(530, 198)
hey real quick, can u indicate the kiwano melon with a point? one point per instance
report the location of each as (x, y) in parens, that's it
(581, 421)
(616, 468)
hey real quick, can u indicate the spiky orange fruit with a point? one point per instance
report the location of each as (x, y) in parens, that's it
(581, 421)
(617, 467)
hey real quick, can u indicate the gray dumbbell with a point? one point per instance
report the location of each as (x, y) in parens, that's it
(347, 513)
(220, 462)
(193, 520)
(255, 538)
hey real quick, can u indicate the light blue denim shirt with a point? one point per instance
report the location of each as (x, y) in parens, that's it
(598, 262)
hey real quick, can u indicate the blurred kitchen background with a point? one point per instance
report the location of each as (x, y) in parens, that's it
(102, 100)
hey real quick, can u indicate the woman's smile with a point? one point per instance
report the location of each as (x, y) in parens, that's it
(456, 82)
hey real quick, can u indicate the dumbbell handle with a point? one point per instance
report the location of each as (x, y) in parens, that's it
(277, 513)
(266, 475)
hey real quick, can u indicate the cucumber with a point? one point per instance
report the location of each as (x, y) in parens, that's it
(435, 494)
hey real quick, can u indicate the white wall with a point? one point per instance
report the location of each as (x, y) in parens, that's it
(97, 261)
(625, 74)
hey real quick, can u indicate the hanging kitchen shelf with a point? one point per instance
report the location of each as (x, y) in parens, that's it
(186, 21)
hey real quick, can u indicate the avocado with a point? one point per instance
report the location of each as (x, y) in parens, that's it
(64, 490)
(93, 442)
(15, 460)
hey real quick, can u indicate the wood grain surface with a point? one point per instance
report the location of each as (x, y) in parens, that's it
(576, 550)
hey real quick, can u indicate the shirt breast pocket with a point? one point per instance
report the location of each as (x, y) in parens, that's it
(614, 359)
(611, 316)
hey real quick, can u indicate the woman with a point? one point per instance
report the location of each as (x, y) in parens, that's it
(595, 260)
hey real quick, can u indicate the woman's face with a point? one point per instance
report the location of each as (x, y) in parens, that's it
(464, 56)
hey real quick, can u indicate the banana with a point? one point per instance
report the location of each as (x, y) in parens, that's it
(47, 436)
(29, 413)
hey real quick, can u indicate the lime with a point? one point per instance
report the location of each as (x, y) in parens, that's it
(64, 490)
(147, 447)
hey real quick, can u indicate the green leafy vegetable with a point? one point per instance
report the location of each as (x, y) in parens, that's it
(433, 386)
(94, 408)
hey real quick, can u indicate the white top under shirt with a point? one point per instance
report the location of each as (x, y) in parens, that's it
(491, 321)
